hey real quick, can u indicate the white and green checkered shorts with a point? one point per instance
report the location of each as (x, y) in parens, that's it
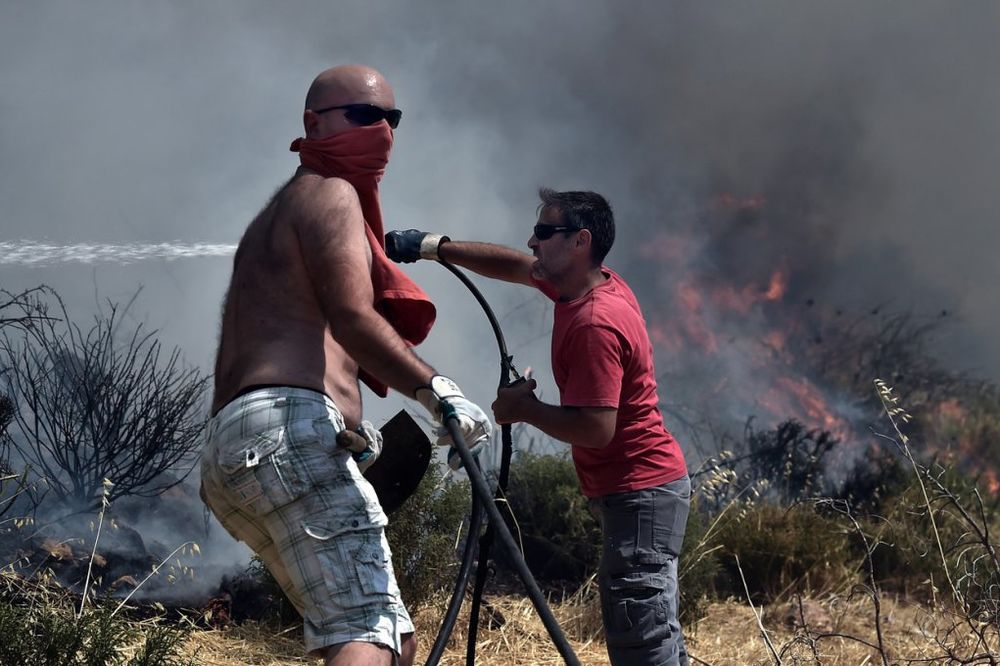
(274, 477)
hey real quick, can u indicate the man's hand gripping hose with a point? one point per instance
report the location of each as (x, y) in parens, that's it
(444, 400)
(409, 246)
(412, 245)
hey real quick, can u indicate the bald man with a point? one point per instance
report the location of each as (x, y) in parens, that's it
(313, 304)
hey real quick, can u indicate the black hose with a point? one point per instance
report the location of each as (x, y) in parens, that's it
(507, 369)
(481, 495)
(475, 522)
(480, 487)
(461, 583)
(485, 546)
(476, 518)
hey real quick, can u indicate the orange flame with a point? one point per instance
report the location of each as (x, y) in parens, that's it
(799, 397)
(693, 322)
(727, 201)
(776, 289)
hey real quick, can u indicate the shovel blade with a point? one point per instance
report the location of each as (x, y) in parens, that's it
(406, 453)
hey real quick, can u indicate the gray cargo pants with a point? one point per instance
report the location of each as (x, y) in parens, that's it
(643, 532)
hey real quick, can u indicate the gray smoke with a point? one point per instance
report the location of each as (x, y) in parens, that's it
(869, 129)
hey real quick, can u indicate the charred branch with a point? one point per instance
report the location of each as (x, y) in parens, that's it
(94, 405)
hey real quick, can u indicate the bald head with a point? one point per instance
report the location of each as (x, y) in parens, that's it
(337, 86)
(350, 84)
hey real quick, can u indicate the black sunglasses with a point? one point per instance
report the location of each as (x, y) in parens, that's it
(547, 231)
(367, 114)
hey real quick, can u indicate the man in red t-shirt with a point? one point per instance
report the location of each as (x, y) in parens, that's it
(628, 464)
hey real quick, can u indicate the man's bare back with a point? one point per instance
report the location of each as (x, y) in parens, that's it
(274, 329)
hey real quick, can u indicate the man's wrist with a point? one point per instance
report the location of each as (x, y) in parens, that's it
(531, 411)
(439, 388)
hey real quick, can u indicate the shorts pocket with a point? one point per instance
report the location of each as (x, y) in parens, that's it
(334, 562)
(635, 609)
(373, 563)
(264, 474)
(248, 491)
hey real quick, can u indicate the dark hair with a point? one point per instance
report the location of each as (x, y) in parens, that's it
(586, 210)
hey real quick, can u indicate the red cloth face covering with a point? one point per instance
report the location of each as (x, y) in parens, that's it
(359, 156)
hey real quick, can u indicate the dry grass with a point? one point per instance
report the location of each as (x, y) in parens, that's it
(727, 636)
(248, 643)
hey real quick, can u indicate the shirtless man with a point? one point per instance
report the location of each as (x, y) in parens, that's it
(306, 315)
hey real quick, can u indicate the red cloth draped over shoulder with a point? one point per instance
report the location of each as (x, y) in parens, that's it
(359, 157)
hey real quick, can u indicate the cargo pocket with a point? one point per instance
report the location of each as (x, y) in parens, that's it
(373, 564)
(335, 563)
(635, 609)
(261, 474)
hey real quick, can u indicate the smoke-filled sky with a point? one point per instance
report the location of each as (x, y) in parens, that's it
(870, 129)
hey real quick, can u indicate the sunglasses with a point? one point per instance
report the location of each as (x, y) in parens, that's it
(367, 114)
(547, 231)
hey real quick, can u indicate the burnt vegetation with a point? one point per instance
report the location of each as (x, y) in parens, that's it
(88, 416)
(98, 403)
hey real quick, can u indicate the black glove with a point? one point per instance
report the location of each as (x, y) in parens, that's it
(410, 245)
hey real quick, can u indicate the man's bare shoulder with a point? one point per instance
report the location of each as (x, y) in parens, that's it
(322, 211)
(314, 198)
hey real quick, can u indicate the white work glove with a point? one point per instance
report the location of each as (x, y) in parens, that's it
(364, 443)
(442, 399)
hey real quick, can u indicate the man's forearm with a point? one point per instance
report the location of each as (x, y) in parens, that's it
(371, 341)
(568, 424)
(489, 260)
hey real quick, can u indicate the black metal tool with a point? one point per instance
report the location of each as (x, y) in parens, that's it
(406, 453)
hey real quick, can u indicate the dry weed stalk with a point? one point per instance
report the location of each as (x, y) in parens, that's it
(22, 486)
(896, 416)
(810, 640)
(100, 523)
(980, 612)
(871, 589)
(760, 623)
(195, 550)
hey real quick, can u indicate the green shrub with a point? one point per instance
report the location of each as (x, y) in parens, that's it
(422, 535)
(698, 566)
(798, 548)
(160, 648)
(41, 628)
(560, 537)
(911, 559)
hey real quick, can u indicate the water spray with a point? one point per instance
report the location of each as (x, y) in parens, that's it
(30, 253)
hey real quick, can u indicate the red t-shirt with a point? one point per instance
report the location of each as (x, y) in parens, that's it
(602, 357)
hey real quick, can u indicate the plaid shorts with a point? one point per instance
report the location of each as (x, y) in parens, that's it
(273, 475)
